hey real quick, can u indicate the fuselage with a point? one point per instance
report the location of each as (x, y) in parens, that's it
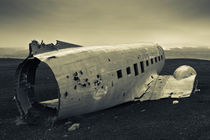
(95, 78)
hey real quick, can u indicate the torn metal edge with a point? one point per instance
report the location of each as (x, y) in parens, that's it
(18, 73)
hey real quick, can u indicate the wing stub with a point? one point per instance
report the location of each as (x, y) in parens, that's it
(37, 48)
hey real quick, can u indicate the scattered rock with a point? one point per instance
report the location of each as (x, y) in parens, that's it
(115, 117)
(175, 102)
(14, 98)
(68, 123)
(20, 121)
(88, 128)
(197, 90)
(74, 126)
(65, 136)
(143, 110)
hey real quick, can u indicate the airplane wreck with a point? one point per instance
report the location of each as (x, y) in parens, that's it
(70, 79)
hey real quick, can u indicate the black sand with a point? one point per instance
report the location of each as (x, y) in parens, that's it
(189, 119)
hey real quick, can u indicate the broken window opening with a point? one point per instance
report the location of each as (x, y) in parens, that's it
(158, 58)
(147, 63)
(151, 60)
(155, 59)
(161, 57)
(128, 70)
(119, 74)
(142, 66)
(136, 71)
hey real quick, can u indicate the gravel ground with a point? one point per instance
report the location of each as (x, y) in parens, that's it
(189, 119)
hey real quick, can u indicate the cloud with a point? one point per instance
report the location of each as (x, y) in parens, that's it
(19, 9)
(191, 8)
(104, 21)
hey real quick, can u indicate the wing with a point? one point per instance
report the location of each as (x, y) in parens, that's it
(179, 85)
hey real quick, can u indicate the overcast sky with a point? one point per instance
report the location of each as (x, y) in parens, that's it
(101, 22)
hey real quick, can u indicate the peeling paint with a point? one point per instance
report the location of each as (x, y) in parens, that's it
(100, 93)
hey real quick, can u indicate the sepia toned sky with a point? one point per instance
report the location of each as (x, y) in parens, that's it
(101, 22)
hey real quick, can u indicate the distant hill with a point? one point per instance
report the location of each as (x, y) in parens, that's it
(13, 53)
(177, 52)
(189, 52)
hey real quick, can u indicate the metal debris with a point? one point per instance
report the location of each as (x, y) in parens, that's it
(74, 126)
(20, 121)
(175, 102)
(65, 136)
